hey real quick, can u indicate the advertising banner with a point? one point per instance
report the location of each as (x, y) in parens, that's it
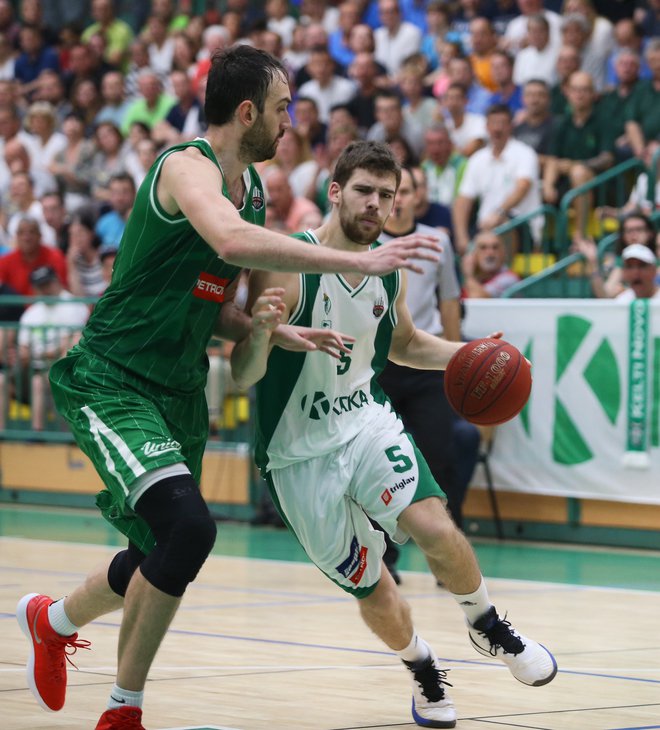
(591, 427)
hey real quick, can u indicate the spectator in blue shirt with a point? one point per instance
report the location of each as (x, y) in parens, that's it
(507, 93)
(110, 226)
(34, 58)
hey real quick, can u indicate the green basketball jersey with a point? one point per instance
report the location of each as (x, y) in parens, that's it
(309, 404)
(168, 285)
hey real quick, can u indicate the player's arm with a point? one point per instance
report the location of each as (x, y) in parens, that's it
(190, 183)
(270, 299)
(415, 348)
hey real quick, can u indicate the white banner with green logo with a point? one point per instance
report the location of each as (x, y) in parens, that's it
(591, 427)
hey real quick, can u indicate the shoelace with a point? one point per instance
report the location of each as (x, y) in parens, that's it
(70, 646)
(500, 634)
(431, 679)
(127, 719)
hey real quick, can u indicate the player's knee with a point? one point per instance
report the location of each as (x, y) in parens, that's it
(175, 562)
(122, 567)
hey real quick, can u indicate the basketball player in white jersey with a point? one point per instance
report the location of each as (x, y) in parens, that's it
(333, 450)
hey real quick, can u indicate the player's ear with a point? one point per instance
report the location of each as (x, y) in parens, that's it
(247, 113)
(334, 192)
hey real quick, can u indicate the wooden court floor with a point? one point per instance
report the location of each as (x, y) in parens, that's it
(264, 644)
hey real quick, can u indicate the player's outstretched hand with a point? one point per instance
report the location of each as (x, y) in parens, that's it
(308, 339)
(267, 312)
(401, 253)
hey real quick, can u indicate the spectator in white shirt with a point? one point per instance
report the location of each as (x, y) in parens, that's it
(539, 58)
(395, 39)
(516, 37)
(503, 177)
(467, 129)
(46, 142)
(161, 46)
(325, 88)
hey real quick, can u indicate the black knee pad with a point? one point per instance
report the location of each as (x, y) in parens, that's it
(122, 567)
(184, 530)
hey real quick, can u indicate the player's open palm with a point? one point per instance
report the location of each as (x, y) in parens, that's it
(307, 339)
(401, 253)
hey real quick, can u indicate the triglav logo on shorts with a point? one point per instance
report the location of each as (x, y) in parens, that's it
(152, 449)
(386, 496)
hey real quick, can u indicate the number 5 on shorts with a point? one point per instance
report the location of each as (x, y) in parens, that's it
(401, 463)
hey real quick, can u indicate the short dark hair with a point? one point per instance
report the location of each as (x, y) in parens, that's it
(238, 74)
(122, 177)
(499, 109)
(373, 156)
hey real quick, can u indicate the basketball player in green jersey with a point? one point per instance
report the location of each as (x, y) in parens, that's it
(334, 452)
(133, 389)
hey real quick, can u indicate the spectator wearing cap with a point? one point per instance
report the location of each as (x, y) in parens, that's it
(118, 33)
(635, 229)
(30, 253)
(47, 330)
(110, 226)
(638, 274)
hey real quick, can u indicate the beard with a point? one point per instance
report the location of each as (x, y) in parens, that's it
(352, 230)
(256, 146)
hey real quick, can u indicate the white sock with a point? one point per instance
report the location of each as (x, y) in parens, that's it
(476, 604)
(59, 620)
(124, 697)
(416, 651)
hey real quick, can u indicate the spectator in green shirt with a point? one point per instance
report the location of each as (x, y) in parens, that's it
(153, 105)
(643, 118)
(117, 33)
(582, 148)
(614, 106)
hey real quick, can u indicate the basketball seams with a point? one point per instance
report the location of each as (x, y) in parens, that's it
(513, 387)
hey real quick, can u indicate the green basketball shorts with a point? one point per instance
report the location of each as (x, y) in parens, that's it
(127, 427)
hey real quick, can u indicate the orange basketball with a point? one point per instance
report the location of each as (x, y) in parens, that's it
(488, 381)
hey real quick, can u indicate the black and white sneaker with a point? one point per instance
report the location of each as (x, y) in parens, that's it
(430, 705)
(529, 662)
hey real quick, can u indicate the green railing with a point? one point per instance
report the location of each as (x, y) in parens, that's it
(610, 188)
(26, 408)
(566, 279)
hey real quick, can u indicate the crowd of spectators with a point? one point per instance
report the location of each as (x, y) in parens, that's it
(498, 106)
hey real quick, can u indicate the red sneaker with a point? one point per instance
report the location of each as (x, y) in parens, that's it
(46, 667)
(122, 718)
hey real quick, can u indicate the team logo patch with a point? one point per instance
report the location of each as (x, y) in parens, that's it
(386, 497)
(162, 447)
(379, 307)
(355, 564)
(257, 199)
(210, 287)
(327, 304)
